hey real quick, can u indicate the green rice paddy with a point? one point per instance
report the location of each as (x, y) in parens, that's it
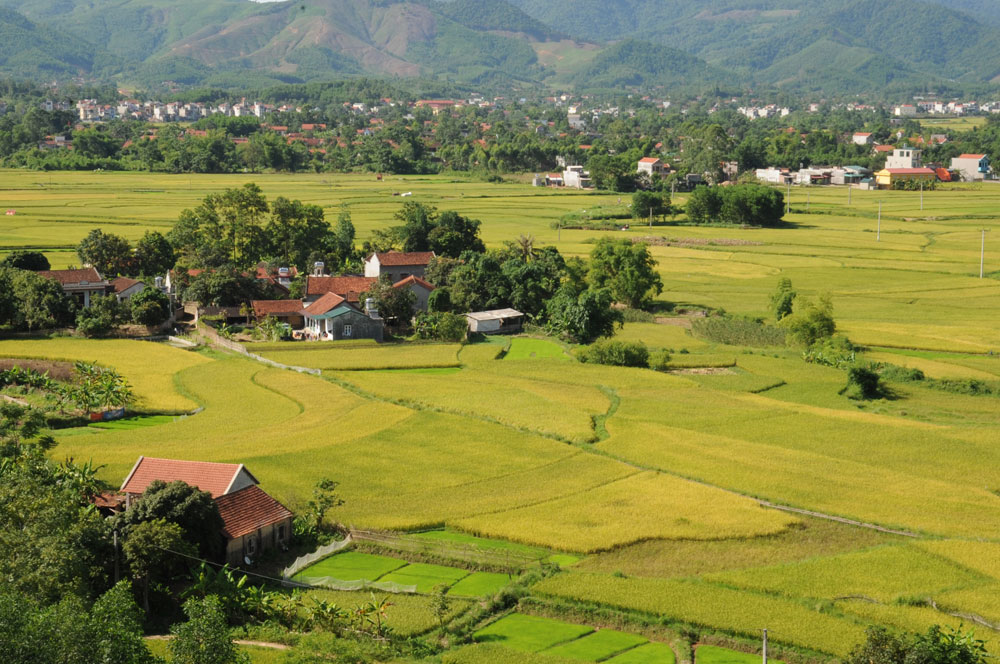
(668, 502)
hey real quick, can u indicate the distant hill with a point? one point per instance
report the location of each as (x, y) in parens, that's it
(28, 50)
(799, 45)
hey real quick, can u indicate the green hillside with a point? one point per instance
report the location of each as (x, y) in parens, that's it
(853, 46)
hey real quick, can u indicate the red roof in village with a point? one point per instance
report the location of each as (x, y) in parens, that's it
(347, 287)
(122, 284)
(884, 148)
(648, 160)
(971, 156)
(395, 258)
(862, 133)
(246, 510)
(64, 277)
(413, 280)
(263, 308)
(324, 304)
(216, 478)
(943, 174)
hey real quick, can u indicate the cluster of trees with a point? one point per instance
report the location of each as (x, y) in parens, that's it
(569, 297)
(744, 205)
(114, 256)
(31, 302)
(239, 228)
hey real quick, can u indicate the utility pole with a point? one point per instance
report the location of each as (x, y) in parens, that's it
(764, 656)
(788, 198)
(921, 196)
(807, 199)
(982, 253)
(878, 227)
(650, 216)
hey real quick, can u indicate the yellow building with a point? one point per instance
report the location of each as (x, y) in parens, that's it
(888, 177)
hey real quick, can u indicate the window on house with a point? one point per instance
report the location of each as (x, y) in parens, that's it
(347, 330)
(281, 533)
(252, 545)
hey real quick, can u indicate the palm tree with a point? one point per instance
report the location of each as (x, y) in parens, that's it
(526, 245)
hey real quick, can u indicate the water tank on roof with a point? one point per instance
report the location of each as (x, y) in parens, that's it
(283, 271)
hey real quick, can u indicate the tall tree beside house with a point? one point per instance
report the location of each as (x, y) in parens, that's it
(30, 302)
(110, 254)
(153, 255)
(453, 234)
(151, 550)
(395, 305)
(224, 287)
(627, 269)
(418, 220)
(295, 230)
(194, 511)
(226, 228)
(582, 316)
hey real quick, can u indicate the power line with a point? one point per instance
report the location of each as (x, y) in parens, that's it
(220, 566)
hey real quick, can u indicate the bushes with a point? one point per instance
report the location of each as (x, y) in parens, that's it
(616, 353)
(442, 326)
(737, 331)
(863, 383)
(811, 322)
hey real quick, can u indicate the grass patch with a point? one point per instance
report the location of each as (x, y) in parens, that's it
(523, 348)
(597, 646)
(717, 655)
(425, 576)
(530, 633)
(351, 566)
(649, 653)
(480, 584)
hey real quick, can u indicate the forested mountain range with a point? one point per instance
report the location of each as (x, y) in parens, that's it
(849, 46)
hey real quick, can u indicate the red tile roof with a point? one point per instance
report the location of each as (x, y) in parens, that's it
(324, 304)
(246, 510)
(943, 174)
(122, 284)
(648, 160)
(349, 288)
(413, 280)
(73, 276)
(396, 258)
(884, 148)
(971, 156)
(263, 308)
(216, 478)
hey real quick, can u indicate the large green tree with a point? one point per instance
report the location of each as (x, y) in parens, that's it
(627, 269)
(194, 511)
(110, 254)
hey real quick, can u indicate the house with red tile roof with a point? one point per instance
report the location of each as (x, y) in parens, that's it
(252, 520)
(286, 311)
(124, 288)
(421, 288)
(82, 284)
(397, 265)
(650, 165)
(333, 318)
(351, 288)
(862, 138)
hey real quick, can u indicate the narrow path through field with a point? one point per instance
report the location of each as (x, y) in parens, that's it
(241, 642)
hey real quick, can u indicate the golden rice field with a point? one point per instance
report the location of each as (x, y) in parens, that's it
(666, 493)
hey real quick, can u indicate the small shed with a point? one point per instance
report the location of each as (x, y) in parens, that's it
(498, 321)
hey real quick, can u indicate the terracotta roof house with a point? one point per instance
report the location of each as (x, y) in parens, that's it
(888, 177)
(420, 287)
(286, 311)
(349, 288)
(124, 288)
(280, 277)
(332, 318)
(972, 167)
(650, 165)
(252, 520)
(398, 265)
(82, 284)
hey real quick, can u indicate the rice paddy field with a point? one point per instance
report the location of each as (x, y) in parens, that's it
(739, 490)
